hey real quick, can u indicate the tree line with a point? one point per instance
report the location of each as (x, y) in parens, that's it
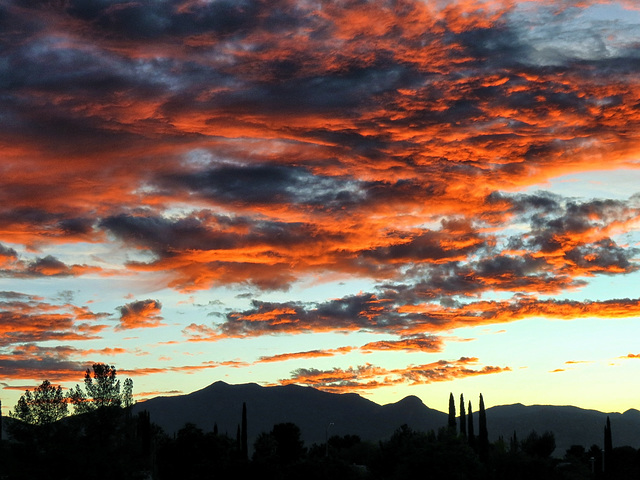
(102, 439)
(87, 433)
(48, 404)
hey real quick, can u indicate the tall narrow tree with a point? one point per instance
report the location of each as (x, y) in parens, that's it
(483, 433)
(452, 413)
(513, 443)
(243, 434)
(463, 419)
(470, 433)
(608, 449)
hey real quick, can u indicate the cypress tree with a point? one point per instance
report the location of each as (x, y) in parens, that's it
(470, 433)
(245, 447)
(483, 434)
(215, 428)
(608, 448)
(513, 443)
(452, 413)
(463, 420)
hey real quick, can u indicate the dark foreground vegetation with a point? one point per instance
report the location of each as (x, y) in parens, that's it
(107, 442)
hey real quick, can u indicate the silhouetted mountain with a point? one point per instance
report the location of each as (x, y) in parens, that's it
(570, 425)
(319, 414)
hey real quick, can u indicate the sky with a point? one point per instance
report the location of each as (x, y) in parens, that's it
(390, 198)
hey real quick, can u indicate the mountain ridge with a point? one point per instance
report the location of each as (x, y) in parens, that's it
(321, 414)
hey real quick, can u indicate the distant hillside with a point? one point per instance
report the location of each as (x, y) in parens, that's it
(320, 413)
(570, 425)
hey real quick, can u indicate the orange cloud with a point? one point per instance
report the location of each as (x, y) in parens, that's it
(140, 314)
(301, 355)
(25, 319)
(107, 351)
(188, 369)
(426, 343)
(368, 376)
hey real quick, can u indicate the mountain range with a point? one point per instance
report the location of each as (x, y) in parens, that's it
(321, 414)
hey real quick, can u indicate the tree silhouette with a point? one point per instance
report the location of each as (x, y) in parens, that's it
(413, 454)
(541, 446)
(452, 413)
(608, 450)
(279, 449)
(463, 420)
(288, 437)
(143, 436)
(513, 443)
(101, 389)
(46, 405)
(470, 432)
(243, 433)
(264, 448)
(483, 433)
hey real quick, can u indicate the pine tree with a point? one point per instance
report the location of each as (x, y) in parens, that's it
(463, 419)
(101, 389)
(45, 405)
(245, 447)
(470, 433)
(452, 413)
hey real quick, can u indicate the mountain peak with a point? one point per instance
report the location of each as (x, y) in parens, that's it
(411, 401)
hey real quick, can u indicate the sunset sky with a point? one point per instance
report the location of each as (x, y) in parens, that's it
(391, 198)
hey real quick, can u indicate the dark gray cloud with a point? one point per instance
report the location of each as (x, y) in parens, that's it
(350, 313)
(9, 254)
(39, 368)
(134, 21)
(53, 224)
(267, 184)
(48, 266)
(166, 236)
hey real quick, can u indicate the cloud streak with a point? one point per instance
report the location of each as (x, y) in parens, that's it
(368, 376)
(369, 313)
